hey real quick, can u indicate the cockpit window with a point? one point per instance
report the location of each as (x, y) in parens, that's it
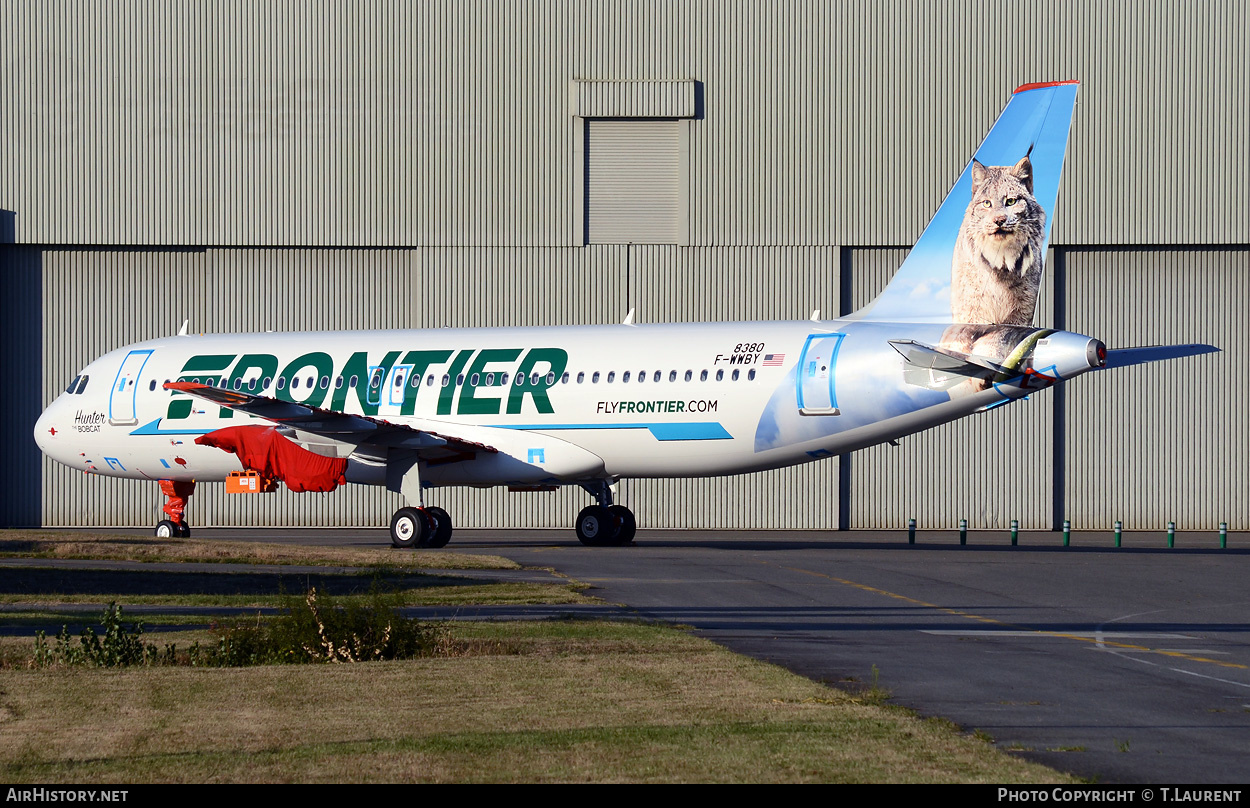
(72, 385)
(82, 385)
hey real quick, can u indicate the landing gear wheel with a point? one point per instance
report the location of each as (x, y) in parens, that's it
(596, 526)
(409, 528)
(184, 530)
(166, 529)
(629, 526)
(442, 528)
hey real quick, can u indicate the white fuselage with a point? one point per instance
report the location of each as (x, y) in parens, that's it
(592, 402)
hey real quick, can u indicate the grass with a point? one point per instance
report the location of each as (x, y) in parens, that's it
(536, 702)
(114, 547)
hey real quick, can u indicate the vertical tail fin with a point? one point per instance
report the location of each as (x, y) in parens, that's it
(981, 257)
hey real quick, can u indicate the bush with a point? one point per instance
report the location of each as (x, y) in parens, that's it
(318, 630)
(311, 629)
(118, 647)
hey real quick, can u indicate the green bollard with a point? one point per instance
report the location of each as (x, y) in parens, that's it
(1171, 534)
(1119, 528)
(1015, 531)
(1223, 535)
(963, 532)
(1067, 532)
(911, 530)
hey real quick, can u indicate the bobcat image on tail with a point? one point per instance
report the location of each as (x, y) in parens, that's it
(997, 265)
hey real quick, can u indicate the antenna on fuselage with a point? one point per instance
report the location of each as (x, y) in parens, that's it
(816, 316)
(182, 332)
(629, 318)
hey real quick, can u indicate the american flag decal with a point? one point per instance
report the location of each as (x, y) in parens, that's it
(774, 360)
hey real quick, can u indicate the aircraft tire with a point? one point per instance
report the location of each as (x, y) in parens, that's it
(441, 534)
(166, 529)
(596, 526)
(628, 524)
(409, 528)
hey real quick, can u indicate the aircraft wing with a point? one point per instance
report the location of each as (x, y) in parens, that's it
(1127, 357)
(336, 426)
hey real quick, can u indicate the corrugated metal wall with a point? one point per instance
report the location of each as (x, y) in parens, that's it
(1165, 441)
(450, 123)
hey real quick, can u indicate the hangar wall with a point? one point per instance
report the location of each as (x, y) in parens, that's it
(451, 123)
(297, 165)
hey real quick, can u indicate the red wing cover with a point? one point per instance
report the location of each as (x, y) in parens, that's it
(262, 449)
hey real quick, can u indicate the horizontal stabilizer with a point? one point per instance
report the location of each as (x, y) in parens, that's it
(930, 358)
(1126, 357)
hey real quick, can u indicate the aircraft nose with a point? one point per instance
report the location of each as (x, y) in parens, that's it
(48, 430)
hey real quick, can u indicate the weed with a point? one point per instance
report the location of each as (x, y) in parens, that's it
(312, 629)
(982, 735)
(318, 630)
(118, 647)
(1122, 746)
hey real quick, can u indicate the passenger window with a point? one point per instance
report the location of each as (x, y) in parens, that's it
(309, 382)
(595, 378)
(519, 380)
(751, 375)
(338, 383)
(416, 380)
(642, 375)
(281, 382)
(399, 380)
(265, 384)
(446, 380)
(490, 379)
(534, 379)
(429, 382)
(703, 376)
(625, 377)
(720, 374)
(656, 378)
(376, 379)
(152, 385)
(551, 379)
(611, 376)
(565, 378)
(294, 382)
(325, 382)
(460, 380)
(352, 382)
(735, 376)
(581, 377)
(473, 379)
(689, 375)
(672, 375)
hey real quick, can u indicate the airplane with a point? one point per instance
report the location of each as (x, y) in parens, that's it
(952, 334)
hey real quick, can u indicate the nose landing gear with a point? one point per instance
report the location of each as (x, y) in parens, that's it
(176, 492)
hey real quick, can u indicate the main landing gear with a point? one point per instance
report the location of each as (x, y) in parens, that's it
(605, 524)
(420, 527)
(176, 492)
